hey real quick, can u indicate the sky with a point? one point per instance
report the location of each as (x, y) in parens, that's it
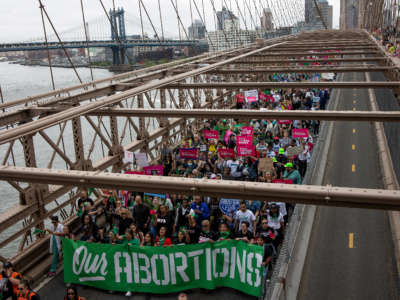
(21, 19)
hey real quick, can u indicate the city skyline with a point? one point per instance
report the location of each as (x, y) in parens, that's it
(29, 20)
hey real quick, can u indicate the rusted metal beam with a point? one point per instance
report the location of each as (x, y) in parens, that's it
(320, 69)
(362, 116)
(309, 53)
(316, 195)
(74, 112)
(328, 60)
(248, 85)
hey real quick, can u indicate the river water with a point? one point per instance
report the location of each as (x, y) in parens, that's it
(19, 82)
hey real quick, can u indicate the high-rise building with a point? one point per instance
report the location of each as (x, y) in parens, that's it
(231, 37)
(267, 20)
(197, 30)
(312, 16)
(224, 15)
(308, 10)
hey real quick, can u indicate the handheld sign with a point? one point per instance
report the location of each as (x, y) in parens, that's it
(246, 150)
(188, 153)
(251, 96)
(227, 206)
(154, 170)
(226, 153)
(210, 134)
(300, 133)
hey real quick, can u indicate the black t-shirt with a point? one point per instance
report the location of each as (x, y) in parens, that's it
(194, 233)
(216, 213)
(124, 224)
(248, 234)
(182, 214)
(205, 236)
(165, 221)
(268, 234)
(141, 214)
(82, 201)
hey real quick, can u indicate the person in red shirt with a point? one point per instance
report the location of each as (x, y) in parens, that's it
(162, 240)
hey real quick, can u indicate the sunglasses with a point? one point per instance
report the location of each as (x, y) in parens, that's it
(20, 289)
(71, 294)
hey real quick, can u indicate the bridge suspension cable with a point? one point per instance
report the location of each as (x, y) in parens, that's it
(60, 41)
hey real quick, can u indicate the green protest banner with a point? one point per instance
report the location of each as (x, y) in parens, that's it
(161, 270)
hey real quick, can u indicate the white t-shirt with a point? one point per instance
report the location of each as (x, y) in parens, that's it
(245, 216)
(59, 229)
(275, 223)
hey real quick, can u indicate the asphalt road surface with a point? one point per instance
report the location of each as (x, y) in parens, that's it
(351, 254)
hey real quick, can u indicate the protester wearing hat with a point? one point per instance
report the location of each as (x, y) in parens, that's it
(276, 145)
(56, 231)
(291, 173)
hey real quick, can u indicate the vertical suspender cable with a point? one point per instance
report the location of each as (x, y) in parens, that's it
(151, 23)
(47, 49)
(179, 27)
(179, 19)
(203, 22)
(60, 41)
(87, 40)
(220, 22)
(161, 22)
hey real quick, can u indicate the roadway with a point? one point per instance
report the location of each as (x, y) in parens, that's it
(351, 253)
(55, 289)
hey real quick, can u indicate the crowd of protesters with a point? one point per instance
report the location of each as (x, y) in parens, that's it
(164, 220)
(141, 219)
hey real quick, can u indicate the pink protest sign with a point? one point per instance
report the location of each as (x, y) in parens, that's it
(285, 121)
(278, 181)
(244, 140)
(134, 173)
(283, 181)
(247, 131)
(246, 150)
(154, 170)
(226, 153)
(227, 135)
(251, 96)
(300, 133)
(188, 153)
(210, 134)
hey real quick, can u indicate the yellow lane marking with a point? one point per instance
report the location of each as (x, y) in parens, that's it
(353, 147)
(354, 131)
(353, 168)
(351, 240)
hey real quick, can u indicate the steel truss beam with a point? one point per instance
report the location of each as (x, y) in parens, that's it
(328, 60)
(361, 116)
(315, 195)
(320, 69)
(46, 122)
(288, 85)
(308, 53)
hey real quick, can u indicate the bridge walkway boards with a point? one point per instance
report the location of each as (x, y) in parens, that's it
(351, 254)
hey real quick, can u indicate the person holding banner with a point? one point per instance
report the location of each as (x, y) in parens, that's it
(72, 294)
(161, 239)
